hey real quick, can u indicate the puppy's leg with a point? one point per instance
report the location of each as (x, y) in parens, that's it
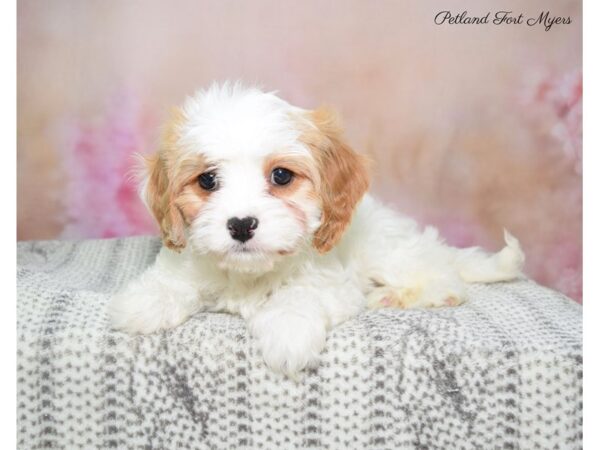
(163, 297)
(291, 328)
(290, 333)
(428, 273)
(424, 288)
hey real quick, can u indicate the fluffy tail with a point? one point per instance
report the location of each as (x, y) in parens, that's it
(477, 266)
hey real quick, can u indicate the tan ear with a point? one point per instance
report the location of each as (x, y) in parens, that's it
(343, 174)
(159, 198)
(160, 187)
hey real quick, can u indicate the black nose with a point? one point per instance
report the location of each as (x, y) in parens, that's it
(242, 229)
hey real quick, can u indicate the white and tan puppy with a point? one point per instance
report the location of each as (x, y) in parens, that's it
(263, 213)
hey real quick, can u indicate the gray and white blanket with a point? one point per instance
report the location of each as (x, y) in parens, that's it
(502, 371)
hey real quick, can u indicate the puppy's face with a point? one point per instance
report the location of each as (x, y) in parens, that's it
(245, 177)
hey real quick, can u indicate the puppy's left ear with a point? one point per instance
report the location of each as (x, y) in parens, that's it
(343, 176)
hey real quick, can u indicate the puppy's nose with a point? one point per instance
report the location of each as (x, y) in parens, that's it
(242, 229)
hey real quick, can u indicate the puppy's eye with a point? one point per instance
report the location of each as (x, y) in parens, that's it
(281, 176)
(208, 181)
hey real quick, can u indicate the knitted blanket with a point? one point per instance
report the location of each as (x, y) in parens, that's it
(502, 371)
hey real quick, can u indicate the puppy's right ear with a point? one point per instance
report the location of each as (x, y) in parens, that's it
(159, 190)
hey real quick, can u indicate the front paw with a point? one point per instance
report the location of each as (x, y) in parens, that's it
(288, 342)
(137, 311)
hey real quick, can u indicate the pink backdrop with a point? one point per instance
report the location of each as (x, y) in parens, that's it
(472, 128)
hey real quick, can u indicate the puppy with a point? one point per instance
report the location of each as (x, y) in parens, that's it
(263, 212)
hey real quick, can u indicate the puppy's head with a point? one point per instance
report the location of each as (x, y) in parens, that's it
(246, 177)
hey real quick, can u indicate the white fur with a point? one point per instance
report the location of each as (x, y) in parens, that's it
(290, 300)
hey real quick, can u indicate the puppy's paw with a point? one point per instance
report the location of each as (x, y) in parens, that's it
(288, 342)
(432, 293)
(144, 311)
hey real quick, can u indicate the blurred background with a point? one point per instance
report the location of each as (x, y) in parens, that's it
(473, 128)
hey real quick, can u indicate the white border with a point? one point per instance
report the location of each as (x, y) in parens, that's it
(8, 437)
(591, 224)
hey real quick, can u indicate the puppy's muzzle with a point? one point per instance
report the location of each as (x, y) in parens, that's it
(242, 229)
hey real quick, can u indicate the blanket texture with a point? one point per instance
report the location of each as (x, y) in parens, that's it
(502, 371)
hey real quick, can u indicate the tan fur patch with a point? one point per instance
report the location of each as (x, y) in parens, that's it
(190, 200)
(303, 168)
(301, 187)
